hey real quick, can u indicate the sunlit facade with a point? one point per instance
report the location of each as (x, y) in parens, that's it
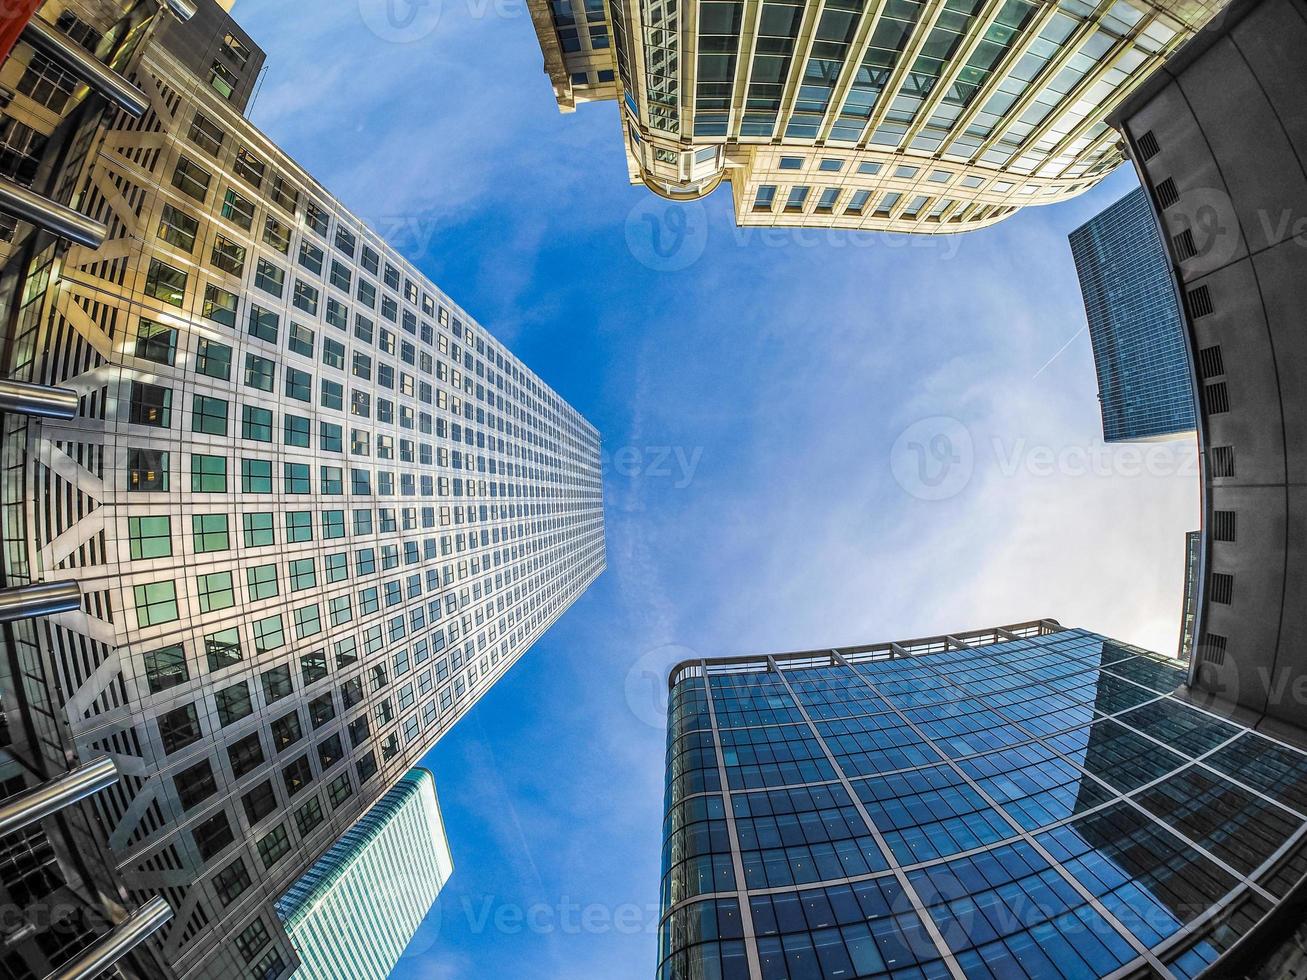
(356, 910)
(908, 115)
(1030, 801)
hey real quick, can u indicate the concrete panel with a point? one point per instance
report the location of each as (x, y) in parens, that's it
(1282, 282)
(1273, 38)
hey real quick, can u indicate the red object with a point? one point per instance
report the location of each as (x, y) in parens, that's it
(14, 15)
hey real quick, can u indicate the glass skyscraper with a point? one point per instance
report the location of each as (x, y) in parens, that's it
(1145, 385)
(1028, 801)
(309, 511)
(355, 911)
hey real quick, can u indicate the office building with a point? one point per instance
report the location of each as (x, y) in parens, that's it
(308, 510)
(1145, 389)
(356, 910)
(924, 117)
(1028, 801)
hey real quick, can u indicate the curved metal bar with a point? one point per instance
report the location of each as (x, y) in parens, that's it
(62, 221)
(42, 401)
(125, 937)
(39, 802)
(39, 599)
(95, 73)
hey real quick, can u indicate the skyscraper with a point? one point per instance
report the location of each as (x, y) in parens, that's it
(1145, 387)
(905, 116)
(1022, 801)
(312, 509)
(356, 910)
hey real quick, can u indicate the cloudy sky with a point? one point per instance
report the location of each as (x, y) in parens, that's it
(810, 440)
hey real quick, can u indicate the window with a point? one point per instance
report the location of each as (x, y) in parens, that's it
(191, 179)
(286, 729)
(831, 165)
(306, 297)
(277, 235)
(300, 340)
(147, 469)
(155, 603)
(233, 703)
(826, 203)
(166, 283)
(179, 728)
(370, 260)
(321, 710)
(311, 257)
(270, 278)
(155, 342)
(213, 359)
(391, 276)
(222, 79)
(256, 423)
(195, 785)
(316, 218)
(228, 256)
(340, 790)
(340, 276)
(261, 582)
(150, 405)
(205, 134)
(333, 354)
(209, 415)
(259, 802)
(303, 574)
(795, 202)
(309, 816)
(299, 384)
(231, 881)
(313, 666)
(367, 294)
(272, 848)
(299, 525)
(269, 634)
(209, 532)
(284, 194)
(235, 49)
(212, 835)
(297, 775)
(256, 476)
(333, 395)
(765, 198)
(223, 648)
(258, 530)
(220, 307)
(295, 428)
(245, 754)
(330, 437)
(178, 228)
(208, 473)
(249, 168)
(237, 209)
(331, 482)
(791, 163)
(150, 537)
(165, 668)
(295, 478)
(215, 591)
(260, 373)
(345, 240)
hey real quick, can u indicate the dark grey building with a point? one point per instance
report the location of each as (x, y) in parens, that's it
(1135, 326)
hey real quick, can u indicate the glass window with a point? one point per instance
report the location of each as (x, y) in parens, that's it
(269, 634)
(297, 775)
(245, 754)
(179, 728)
(259, 802)
(166, 283)
(295, 478)
(277, 235)
(178, 228)
(220, 305)
(223, 648)
(270, 277)
(299, 525)
(256, 476)
(299, 384)
(206, 134)
(233, 703)
(150, 537)
(231, 882)
(150, 405)
(260, 372)
(191, 179)
(155, 603)
(316, 217)
(213, 360)
(237, 210)
(147, 469)
(261, 581)
(195, 784)
(296, 430)
(333, 353)
(209, 532)
(209, 415)
(249, 167)
(300, 340)
(208, 473)
(165, 668)
(272, 848)
(228, 256)
(256, 423)
(311, 257)
(286, 730)
(258, 530)
(212, 835)
(215, 591)
(306, 297)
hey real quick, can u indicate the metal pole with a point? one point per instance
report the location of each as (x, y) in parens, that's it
(125, 937)
(39, 802)
(64, 222)
(43, 401)
(45, 37)
(39, 599)
(183, 10)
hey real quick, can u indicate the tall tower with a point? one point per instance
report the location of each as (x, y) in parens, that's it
(923, 116)
(1145, 388)
(1027, 801)
(313, 510)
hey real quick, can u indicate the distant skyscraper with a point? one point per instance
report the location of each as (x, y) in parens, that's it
(1144, 383)
(1193, 554)
(907, 116)
(354, 912)
(309, 511)
(1022, 802)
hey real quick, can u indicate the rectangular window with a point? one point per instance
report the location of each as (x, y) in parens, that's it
(295, 430)
(277, 685)
(296, 478)
(337, 314)
(260, 373)
(233, 703)
(300, 340)
(166, 283)
(330, 437)
(166, 668)
(220, 305)
(284, 194)
(228, 256)
(299, 525)
(299, 384)
(259, 802)
(206, 134)
(155, 342)
(311, 257)
(209, 533)
(270, 278)
(316, 218)
(191, 179)
(249, 168)
(277, 235)
(155, 603)
(237, 210)
(212, 835)
(345, 240)
(179, 728)
(256, 476)
(150, 405)
(150, 537)
(245, 754)
(333, 353)
(272, 848)
(269, 634)
(306, 297)
(259, 532)
(340, 276)
(178, 228)
(213, 360)
(147, 469)
(256, 423)
(231, 882)
(215, 591)
(261, 582)
(209, 415)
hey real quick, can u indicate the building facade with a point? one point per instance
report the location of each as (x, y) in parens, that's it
(313, 510)
(356, 910)
(1029, 801)
(924, 116)
(1145, 389)
(1193, 570)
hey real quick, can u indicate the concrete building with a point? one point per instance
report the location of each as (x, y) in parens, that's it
(1135, 326)
(301, 509)
(1027, 801)
(924, 116)
(356, 910)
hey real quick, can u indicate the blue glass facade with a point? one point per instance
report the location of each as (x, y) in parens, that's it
(1034, 805)
(1135, 325)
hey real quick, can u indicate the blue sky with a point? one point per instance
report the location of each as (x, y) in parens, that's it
(772, 410)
